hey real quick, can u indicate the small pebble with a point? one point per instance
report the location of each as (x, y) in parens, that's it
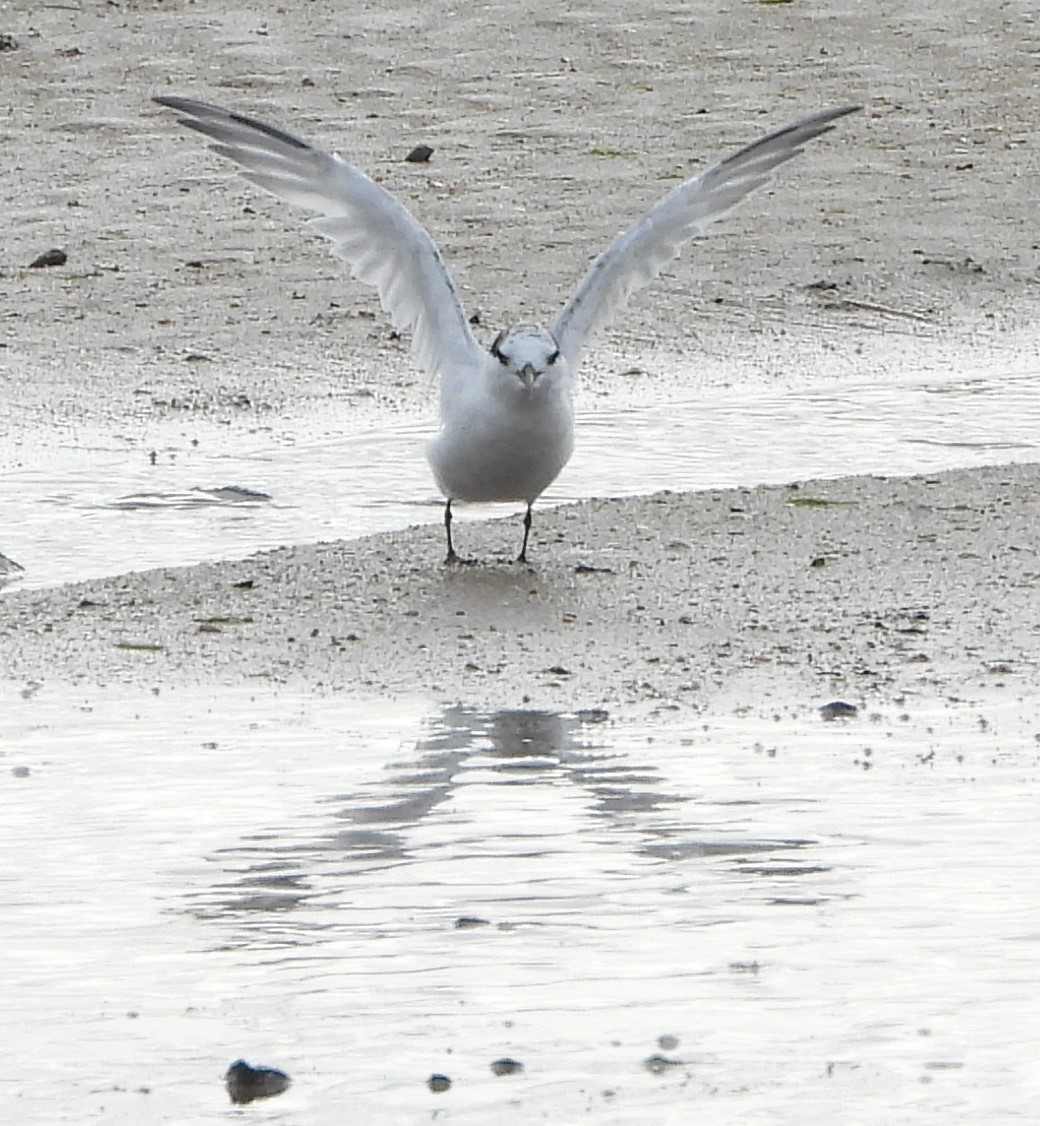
(245, 1083)
(468, 922)
(53, 257)
(419, 155)
(658, 1064)
(438, 1083)
(506, 1066)
(838, 709)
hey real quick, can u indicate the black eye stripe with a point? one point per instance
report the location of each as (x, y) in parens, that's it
(496, 351)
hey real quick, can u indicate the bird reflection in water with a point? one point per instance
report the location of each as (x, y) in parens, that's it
(378, 827)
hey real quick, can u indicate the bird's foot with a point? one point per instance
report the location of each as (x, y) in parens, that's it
(454, 560)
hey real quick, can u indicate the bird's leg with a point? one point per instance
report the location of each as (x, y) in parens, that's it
(451, 556)
(522, 557)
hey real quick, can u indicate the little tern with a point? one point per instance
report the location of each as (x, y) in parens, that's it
(507, 414)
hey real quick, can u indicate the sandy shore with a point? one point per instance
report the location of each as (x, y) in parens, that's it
(863, 588)
(186, 290)
(905, 241)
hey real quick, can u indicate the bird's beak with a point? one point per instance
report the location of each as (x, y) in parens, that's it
(528, 375)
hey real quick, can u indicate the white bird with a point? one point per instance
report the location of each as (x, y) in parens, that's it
(507, 416)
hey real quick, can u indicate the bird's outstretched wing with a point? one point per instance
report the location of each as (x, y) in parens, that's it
(638, 255)
(383, 243)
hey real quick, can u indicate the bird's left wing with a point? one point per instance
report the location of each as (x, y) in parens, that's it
(376, 234)
(638, 255)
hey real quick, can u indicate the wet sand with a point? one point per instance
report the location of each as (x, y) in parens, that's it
(904, 241)
(277, 873)
(858, 588)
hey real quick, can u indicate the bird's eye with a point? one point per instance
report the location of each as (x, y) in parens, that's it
(553, 358)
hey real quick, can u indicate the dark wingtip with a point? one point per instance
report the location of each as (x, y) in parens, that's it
(198, 112)
(171, 101)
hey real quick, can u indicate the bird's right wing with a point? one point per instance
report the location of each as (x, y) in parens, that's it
(384, 245)
(636, 257)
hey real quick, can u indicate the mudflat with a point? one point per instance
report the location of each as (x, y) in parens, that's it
(903, 242)
(856, 587)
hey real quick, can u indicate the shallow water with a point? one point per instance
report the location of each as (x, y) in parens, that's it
(94, 505)
(836, 922)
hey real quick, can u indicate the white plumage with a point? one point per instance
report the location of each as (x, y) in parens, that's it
(507, 418)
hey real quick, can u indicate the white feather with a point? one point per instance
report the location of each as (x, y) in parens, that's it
(638, 255)
(377, 235)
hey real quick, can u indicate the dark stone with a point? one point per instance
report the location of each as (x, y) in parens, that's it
(658, 1064)
(468, 922)
(52, 257)
(838, 709)
(245, 1083)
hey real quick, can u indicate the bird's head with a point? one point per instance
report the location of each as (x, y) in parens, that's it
(528, 352)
